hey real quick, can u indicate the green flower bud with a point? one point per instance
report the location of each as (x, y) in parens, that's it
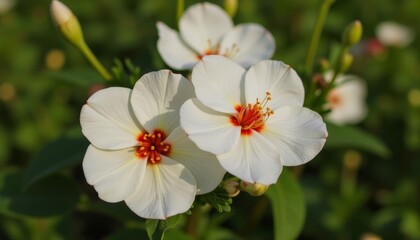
(67, 22)
(345, 62)
(254, 189)
(232, 187)
(324, 64)
(352, 33)
(231, 6)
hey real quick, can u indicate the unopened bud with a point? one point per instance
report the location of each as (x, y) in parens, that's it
(352, 160)
(231, 6)
(254, 189)
(232, 187)
(346, 61)
(67, 22)
(352, 33)
(319, 80)
(324, 64)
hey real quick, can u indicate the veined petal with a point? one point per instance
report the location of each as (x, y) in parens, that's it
(108, 121)
(173, 50)
(210, 130)
(114, 174)
(218, 82)
(202, 26)
(253, 160)
(298, 134)
(204, 166)
(157, 98)
(279, 79)
(248, 44)
(168, 188)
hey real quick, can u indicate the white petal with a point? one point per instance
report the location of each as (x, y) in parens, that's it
(173, 50)
(210, 130)
(108, 121)
(394, 34)
(168, 188)
(253, 160)
(157, 98)
(204, 166)
(218, 82)
(204, 24)
(279, 79)
(351, 107)
(298, 133)
(248, 44)
(114, 174)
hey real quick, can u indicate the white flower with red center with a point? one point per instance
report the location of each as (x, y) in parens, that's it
(138, 152)
(205, 29)
(347, 100)
(252, 120)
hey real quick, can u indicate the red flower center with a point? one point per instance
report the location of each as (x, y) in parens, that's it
(152, 145)
(252, 116)
(334, 99)
(214, 49)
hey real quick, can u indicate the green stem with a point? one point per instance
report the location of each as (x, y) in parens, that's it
(255, 216)
(180, 9)
(317, 103)
(193, 222)
(94, 61)
(319, 24)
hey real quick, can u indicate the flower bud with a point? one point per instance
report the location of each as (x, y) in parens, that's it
(345, 62)
(231, 6)
(352, 33)
(324, 64)
(232, 187)
(66, 22)
(254, 189)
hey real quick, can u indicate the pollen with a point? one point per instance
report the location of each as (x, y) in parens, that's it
(252, 116)
(152, 146)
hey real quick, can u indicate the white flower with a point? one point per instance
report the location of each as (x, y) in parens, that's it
(6, 5)
(205, 29)
(347, 100)
(393, 34)
(252, 120)
(138, 152)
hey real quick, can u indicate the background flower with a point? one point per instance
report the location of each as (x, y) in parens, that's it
(139, 154)
(205, 29)
(252, 120)
(347, 100)
(394, 34)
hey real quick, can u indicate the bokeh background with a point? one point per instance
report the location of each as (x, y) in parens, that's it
(350, 192)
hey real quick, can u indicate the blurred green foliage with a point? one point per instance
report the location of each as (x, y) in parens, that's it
(351, 191)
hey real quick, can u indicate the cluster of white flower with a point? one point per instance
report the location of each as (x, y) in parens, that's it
(159, 145)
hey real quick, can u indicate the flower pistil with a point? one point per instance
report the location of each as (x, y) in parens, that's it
(151, 145)
(252, 116)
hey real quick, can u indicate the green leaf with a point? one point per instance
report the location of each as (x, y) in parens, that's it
(64, 152)
(151, 225)
(156, 228)
(352, 137)
(288, 206)
(50, 196)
